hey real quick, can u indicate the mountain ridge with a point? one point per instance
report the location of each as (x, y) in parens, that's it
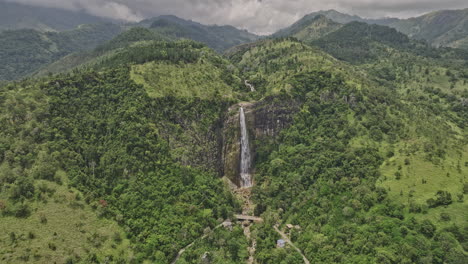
(18, 16)
(446, 28)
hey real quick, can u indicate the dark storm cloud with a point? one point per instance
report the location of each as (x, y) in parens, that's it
(260, 16)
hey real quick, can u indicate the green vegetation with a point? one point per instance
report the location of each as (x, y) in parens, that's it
(218, 38)
(445, 28)
(110, 150)
(325, 172)
(25, 51)
(271, 63)
(309, 28)
(61, 227)
(441, 28)
(119, 159)
(220, 246)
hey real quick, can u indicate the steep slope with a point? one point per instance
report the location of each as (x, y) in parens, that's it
(351, 155)
(358, 42)
(141, 154)
(25, 51)
(218, 38)
(267, 64)
(337, 169)
(15, 16)
(87, 58)
(343, 18)
(309, 28)
(448, 28)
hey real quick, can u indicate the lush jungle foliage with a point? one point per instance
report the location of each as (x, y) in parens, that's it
(104, 134)
(325, 172)
(370, 168)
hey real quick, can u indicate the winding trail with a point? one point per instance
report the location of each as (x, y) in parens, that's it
(179, 254)
(287, 240)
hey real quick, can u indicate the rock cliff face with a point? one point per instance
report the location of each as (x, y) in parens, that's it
(208, 137)
(264, 119)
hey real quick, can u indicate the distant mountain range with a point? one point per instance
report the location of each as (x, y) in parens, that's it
(40, 40)
(33, 37)
(17, 16)
(216, 37)
(448, 28)
(26, 50)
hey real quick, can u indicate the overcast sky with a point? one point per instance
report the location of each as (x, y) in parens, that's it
(258, 16)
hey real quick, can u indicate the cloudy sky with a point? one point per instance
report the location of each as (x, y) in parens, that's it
(259, 16)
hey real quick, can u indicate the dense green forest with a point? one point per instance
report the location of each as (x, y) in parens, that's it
(360, 158)
(98, 129)
(358, 137)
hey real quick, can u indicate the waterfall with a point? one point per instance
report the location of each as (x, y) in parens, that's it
(246, 180)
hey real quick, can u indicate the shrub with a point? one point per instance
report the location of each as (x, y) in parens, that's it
(22, 210)
(12, 237)
(398, 175)
(43, 219)
(117, 237)
(52, 246)
(444, 216)
(24, 188)
(427, 228)
(415, 208)
(442, 198)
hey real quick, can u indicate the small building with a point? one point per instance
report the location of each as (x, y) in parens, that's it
(280, 243)
(289, 226)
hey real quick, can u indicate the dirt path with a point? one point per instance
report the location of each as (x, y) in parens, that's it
(287, 240)
(191, 244)
(244, 195)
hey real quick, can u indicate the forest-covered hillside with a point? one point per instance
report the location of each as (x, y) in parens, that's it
(216, 37)
(445, 28)
(29, 52)
(24, 51)
(360, 157)
(126, 152)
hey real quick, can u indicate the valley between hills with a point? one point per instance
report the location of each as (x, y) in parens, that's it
(335, 140)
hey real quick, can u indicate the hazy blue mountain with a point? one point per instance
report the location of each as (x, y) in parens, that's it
(17, 16)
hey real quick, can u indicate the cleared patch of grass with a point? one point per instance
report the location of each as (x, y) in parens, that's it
(61, 227)
(420, 179)
(201, 79)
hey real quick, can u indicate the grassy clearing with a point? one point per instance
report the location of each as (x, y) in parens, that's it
(200, 79)
(420, 179)
(61, 228)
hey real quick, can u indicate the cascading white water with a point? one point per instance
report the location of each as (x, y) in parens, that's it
(246, 180)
